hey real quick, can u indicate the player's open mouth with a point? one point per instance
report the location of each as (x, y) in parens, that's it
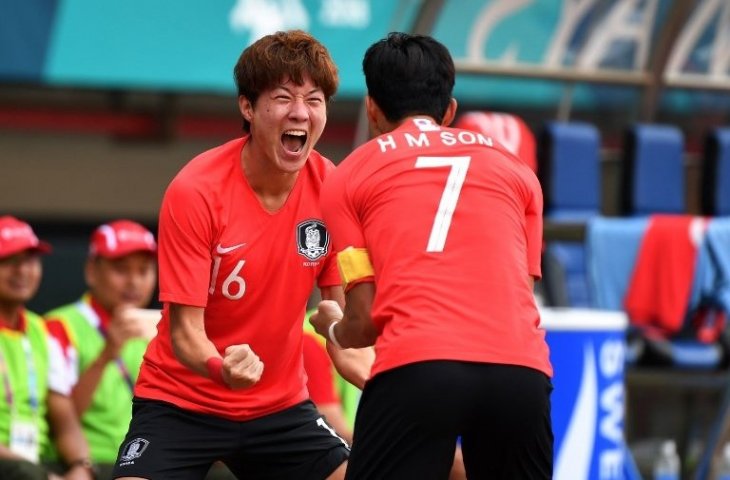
(294, 140)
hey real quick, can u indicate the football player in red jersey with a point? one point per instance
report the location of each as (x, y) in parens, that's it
(438, 232)
(242, 243)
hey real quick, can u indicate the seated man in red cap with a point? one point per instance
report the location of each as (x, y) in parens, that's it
(107, 334)
(34, 399)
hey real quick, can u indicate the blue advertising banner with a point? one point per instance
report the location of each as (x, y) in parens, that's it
(587, 350)
(25, 28)
(193, 45)
(190, 45)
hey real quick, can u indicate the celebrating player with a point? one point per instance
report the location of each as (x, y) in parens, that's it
(438, 233)
(241, 246)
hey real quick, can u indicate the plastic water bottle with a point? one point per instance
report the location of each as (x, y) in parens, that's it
(667, 465)
(723, 472)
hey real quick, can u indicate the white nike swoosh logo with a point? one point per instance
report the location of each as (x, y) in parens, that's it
(221, 250)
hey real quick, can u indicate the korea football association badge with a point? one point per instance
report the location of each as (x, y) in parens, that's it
(134, 449)
(312, 239)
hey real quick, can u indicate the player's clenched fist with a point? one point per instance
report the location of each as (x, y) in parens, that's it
(242, 368)
(328, 311)
(330, 308)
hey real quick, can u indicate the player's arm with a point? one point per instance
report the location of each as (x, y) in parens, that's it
(189, 340)
(239, 367)
(356, 329)
(322, 386)
(352, 329)
(353, 364)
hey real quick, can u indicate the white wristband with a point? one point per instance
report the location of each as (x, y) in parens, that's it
(331, 334)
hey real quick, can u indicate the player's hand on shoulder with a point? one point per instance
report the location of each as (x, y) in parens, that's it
(242, 368)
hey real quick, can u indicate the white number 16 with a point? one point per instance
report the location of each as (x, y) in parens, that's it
(447, 205)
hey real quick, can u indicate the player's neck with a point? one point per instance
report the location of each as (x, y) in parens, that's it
(414, 117)
(271, 186)
(382, 125)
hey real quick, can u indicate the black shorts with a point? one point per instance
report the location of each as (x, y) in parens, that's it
(409, 418)
(167, 442)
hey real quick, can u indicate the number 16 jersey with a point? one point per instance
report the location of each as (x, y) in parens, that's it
(253, 272)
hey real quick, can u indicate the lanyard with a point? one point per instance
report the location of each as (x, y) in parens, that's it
(32, 377)
(94, 320)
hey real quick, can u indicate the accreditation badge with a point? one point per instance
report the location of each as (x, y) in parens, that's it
(25, 439)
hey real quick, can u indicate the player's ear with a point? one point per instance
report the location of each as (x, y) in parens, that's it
(450, 113)
(375, 116)
(245, 107)
(372, 109)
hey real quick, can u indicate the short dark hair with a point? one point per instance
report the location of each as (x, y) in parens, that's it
(409, 75)
(291, 55)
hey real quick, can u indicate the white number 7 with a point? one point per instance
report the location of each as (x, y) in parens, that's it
(447, 205)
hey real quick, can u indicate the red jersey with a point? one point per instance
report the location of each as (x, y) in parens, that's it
(253, 272)
(660, 287)
(453, 226)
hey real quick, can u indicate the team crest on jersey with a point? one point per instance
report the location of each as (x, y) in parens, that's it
(134, 449)
(312, 239)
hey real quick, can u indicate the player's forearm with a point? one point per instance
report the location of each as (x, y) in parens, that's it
(352, 328)
(335, 293)
(356, 329)
(189, 340)
(353, 364)
(193, 349)
(351, 333)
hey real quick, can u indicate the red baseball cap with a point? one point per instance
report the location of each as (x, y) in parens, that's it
(121, 237)
(17, 236)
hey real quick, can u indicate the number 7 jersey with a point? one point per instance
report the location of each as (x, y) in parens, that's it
(453, 226)
(253, 272)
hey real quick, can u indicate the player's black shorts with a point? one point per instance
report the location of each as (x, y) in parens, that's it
(409, 418)
(166, 442)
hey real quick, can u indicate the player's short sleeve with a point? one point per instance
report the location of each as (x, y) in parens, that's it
(339, 212)
(318, 366)
(185, 239)
(330, 275)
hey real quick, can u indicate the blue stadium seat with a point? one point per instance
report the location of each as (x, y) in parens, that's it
(716, 173)
(569, 171)
(653, 170)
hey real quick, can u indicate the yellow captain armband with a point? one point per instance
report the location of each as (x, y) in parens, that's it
(354, 264)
